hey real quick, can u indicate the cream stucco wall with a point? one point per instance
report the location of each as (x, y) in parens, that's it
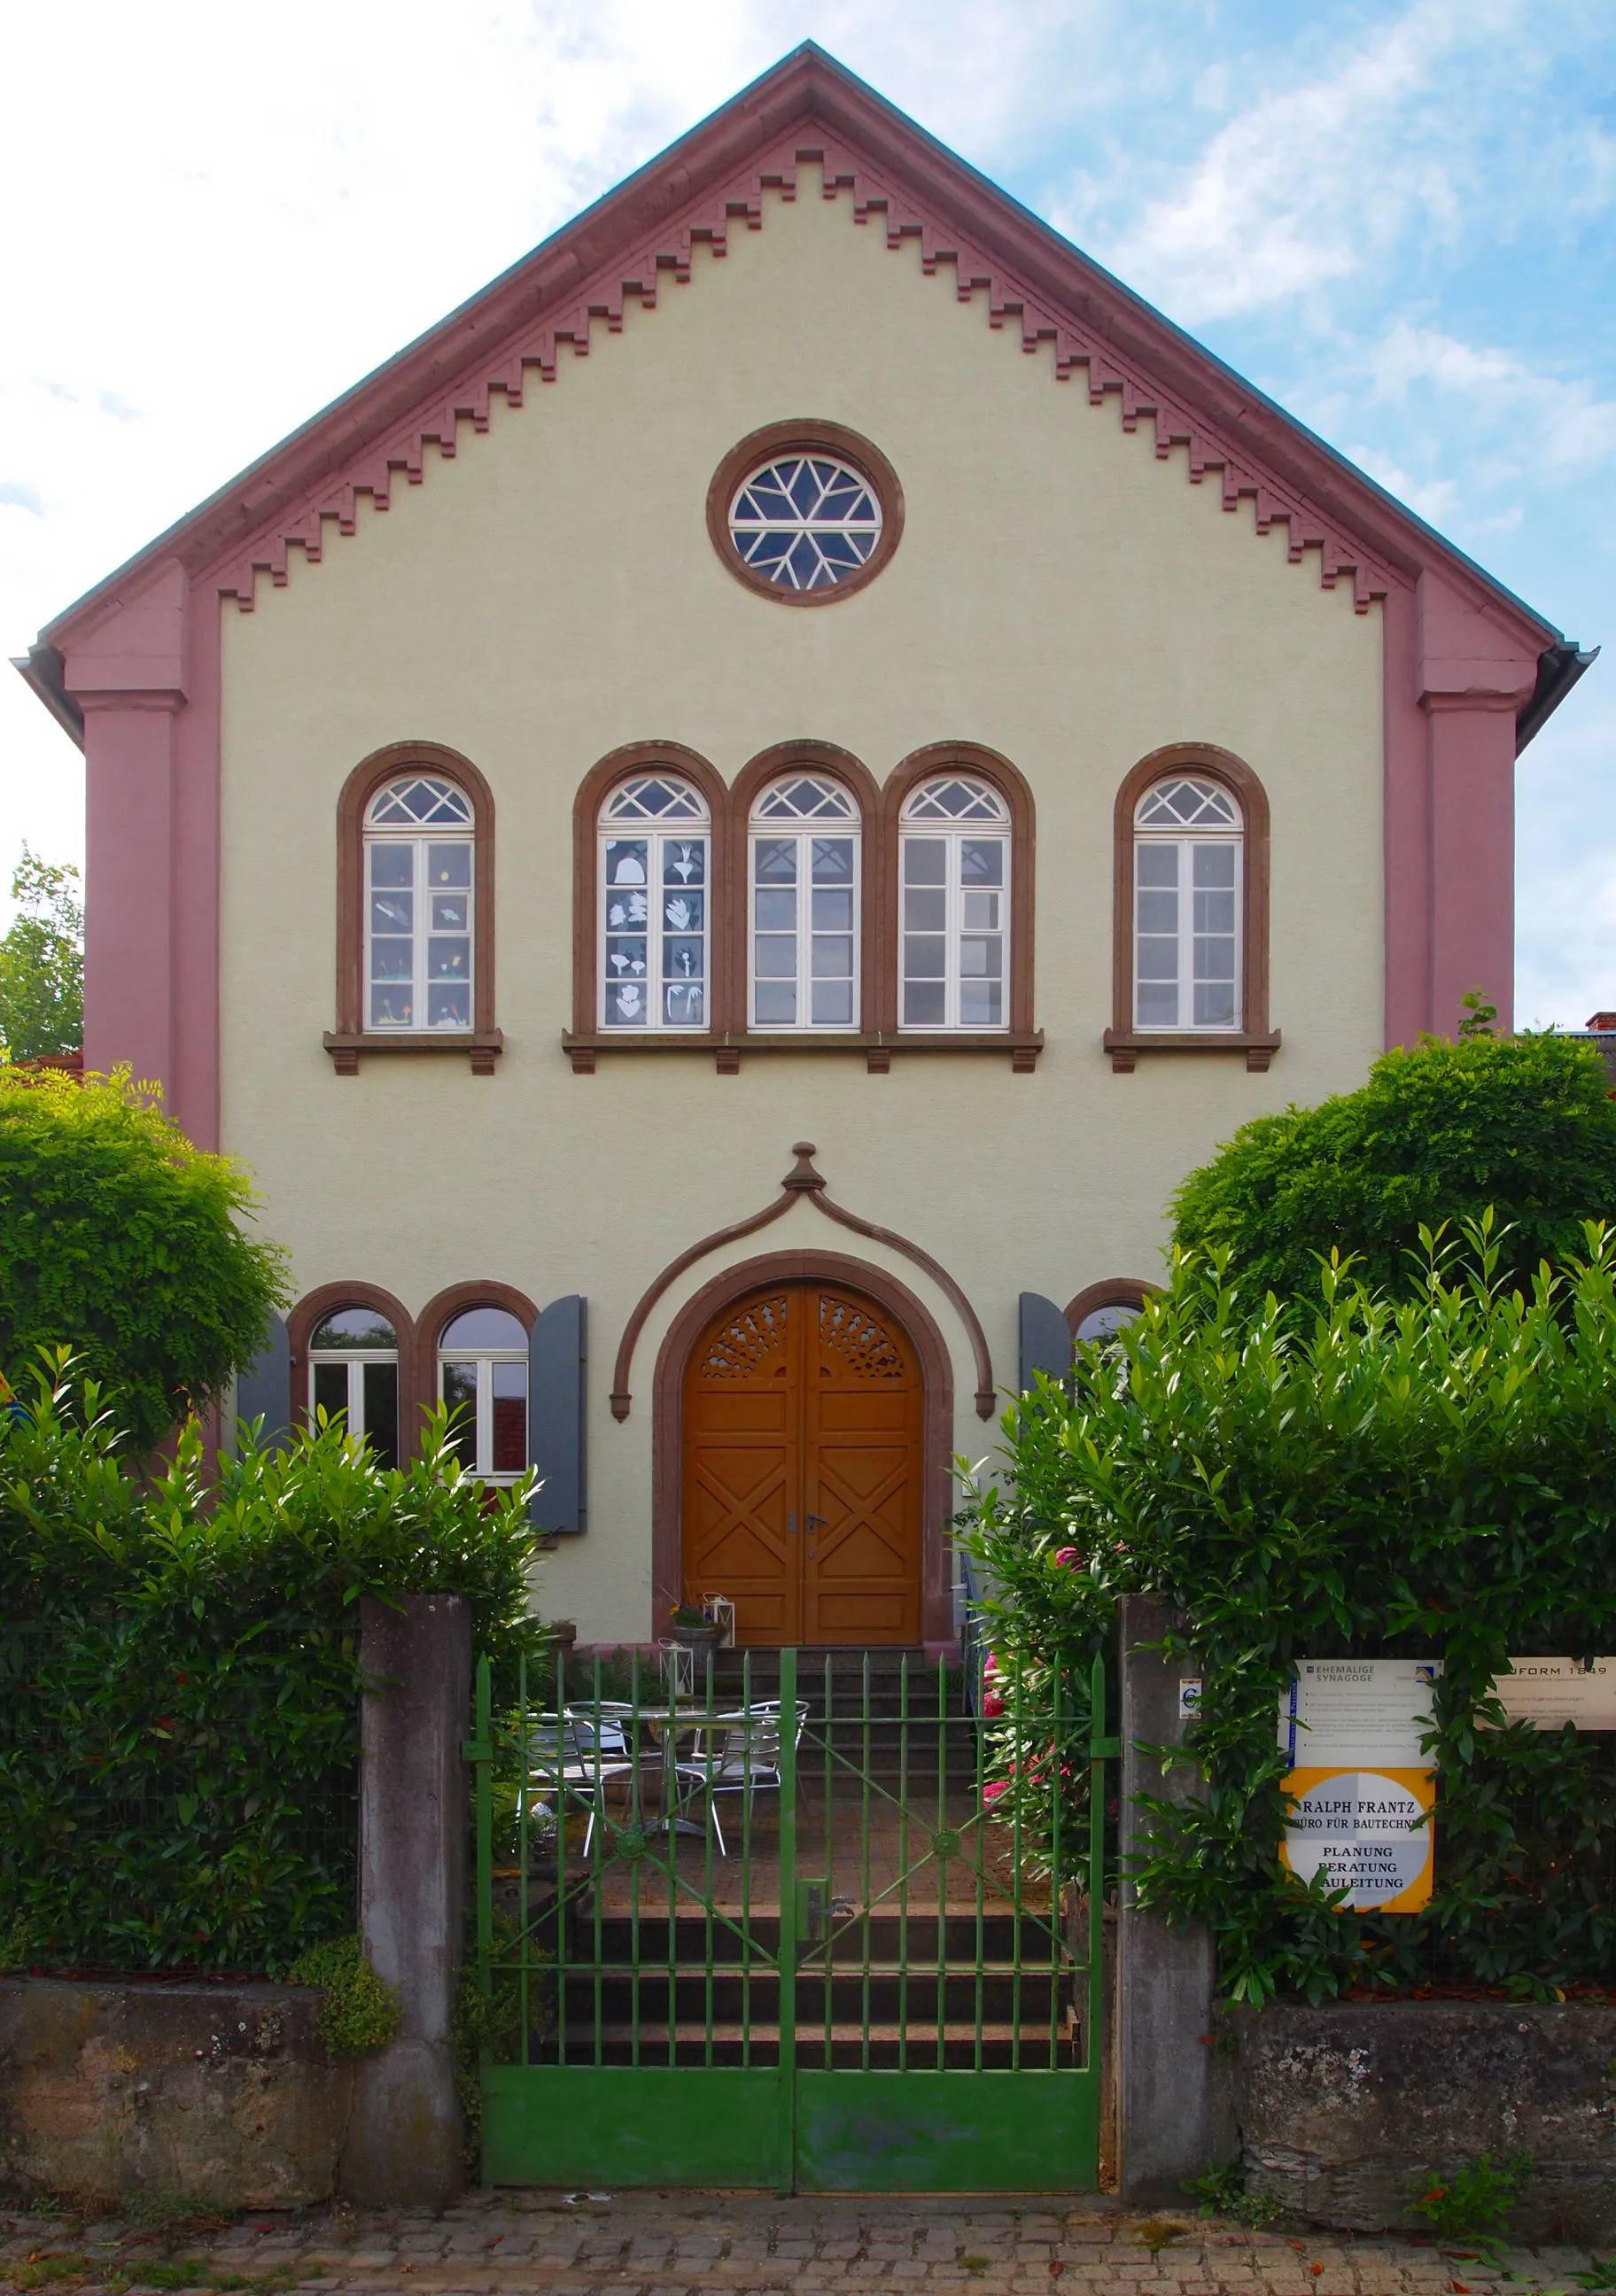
(1059, 595)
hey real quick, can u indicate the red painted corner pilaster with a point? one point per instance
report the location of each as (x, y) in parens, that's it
(1457, 672)
(144, 671)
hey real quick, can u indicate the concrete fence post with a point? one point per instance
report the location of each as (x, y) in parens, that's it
(403, 2140)
(1173, 2119)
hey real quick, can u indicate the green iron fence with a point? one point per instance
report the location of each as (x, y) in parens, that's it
(769, 1933)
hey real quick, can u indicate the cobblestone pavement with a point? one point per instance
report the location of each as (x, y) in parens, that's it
(666, 2245)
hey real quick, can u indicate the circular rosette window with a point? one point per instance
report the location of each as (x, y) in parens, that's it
(805, 513)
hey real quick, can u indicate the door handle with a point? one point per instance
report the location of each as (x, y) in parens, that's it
(791, 1523)
(819, 1520)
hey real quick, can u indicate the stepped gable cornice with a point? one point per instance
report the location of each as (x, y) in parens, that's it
(808, 113)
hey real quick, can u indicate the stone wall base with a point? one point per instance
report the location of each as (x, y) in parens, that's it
(223, 2092)
(1342, 2107)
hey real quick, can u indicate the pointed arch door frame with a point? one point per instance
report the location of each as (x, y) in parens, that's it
(937, 1420)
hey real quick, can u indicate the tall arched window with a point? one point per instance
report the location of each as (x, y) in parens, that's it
(419, 846)
(482, 1376)
(654, 905)
(955, 928)
(804, 924)
(353, 1373)
(1189, 836)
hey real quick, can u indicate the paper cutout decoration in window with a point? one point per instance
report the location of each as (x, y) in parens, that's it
(804, 872)
(655, 877)
(353, 1371)
(955, 928)
(1188, 839)
(418, 898)
(482, 1376)
(805, 522)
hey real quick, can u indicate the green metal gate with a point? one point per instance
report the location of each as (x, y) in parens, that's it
(770, 1934)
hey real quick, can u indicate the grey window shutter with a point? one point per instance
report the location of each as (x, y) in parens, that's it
(557, 1352)
(1046, 1343)
(264, 1387)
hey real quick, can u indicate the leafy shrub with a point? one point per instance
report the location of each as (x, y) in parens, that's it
(1358, 1475)
(179, 1677)
(120, 1239)
(42, 961)
(1476, 2202)
(1222, 2192)
(1525, 1125)
(360, 2010)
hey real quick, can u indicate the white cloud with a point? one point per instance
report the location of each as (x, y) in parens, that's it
(1431, 499)
(1569, 427)
(1298, 189)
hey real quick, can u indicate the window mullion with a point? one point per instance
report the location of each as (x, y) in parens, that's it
(355, 1398)
(956, 928)
(485, 1414)
(1187, 932)
(804, 929)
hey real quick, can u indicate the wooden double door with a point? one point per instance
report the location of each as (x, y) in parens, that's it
(803, 1469)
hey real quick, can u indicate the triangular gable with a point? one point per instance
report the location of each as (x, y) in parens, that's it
(807, 124)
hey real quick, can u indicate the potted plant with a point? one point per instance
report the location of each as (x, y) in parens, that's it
(693, 1629)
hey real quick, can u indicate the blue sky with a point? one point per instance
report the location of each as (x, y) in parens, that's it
(1398, 219)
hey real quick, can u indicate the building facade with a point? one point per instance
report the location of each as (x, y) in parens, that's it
(805, 657)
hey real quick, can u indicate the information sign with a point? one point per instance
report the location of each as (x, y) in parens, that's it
(1550, 1692)
(1363, 1830)
(1350, 1711)
(1362, 1787)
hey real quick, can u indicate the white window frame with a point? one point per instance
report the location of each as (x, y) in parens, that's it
(485, 1358)
(459, 830)
(808, 807)
(355, 1360)
(1227, 836)
(804, 479)
(620, 820)
(955, 833)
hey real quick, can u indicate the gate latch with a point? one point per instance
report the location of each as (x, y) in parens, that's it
(811, 1897)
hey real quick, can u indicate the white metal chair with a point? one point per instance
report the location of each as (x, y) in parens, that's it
(575, 1756)
(745, 1758)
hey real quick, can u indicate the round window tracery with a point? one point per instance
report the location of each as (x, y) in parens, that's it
(805, 521)
(805, 512)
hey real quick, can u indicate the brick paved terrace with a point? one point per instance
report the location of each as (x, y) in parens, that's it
(665, 2244)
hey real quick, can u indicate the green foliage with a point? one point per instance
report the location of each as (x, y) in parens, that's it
(1525, 1125)
(1475, 2204)
(120, 1239)
(487, 2023)
(360, 2010)
(180, 1676)
(41, 962)
(1600, 2274)
(1358, 1475)
(1222, 2192)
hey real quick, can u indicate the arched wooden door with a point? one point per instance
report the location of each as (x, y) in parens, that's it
(803, 1469)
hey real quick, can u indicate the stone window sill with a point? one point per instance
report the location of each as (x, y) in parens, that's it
(1125, 1046)
(482, 1047)
(1023, 1048)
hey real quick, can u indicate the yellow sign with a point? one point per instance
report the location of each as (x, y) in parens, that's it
(1368, 1831)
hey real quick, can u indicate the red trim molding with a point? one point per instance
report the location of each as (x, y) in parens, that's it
(1110, 1292)
(937, 1424)
(802, 1180)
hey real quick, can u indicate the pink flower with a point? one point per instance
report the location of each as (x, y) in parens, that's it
(993, 1705)
(993, 1790)
(992, 1672)
(1069, 1557)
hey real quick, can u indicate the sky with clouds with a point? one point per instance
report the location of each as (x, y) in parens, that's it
(1398, 219)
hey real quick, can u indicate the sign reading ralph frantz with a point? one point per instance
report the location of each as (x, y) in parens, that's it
(1362, 1789)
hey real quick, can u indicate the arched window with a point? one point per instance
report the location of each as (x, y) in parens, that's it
(954, 928)
(654, 899)
(1189, 836)
(419, 845)
(353, 1373)
(805, 895)
(482, 1376)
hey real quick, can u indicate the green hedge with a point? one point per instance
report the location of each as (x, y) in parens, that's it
(179, 1677)
(1357, 1476)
